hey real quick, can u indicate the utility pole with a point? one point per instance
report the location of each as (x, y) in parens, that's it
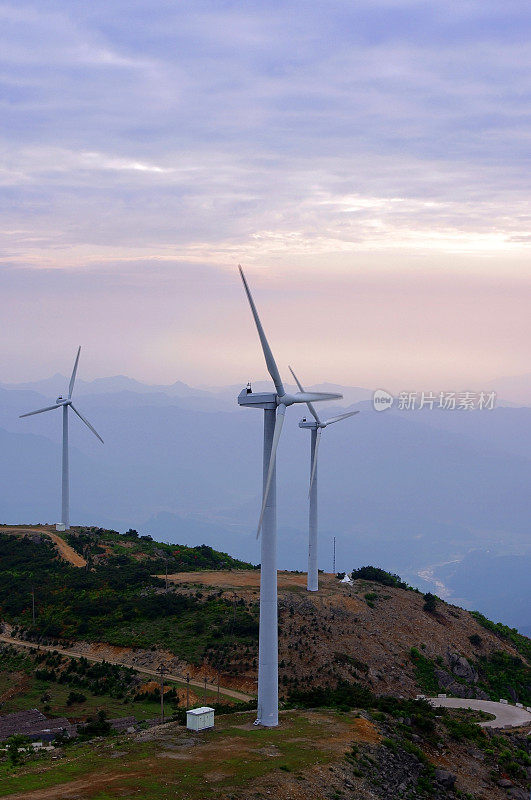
(334, 567)
(162, 670)
(187, 690)
(166, 564)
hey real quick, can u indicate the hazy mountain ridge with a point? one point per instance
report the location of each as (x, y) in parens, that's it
(406, 490)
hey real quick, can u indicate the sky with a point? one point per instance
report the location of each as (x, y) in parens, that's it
(367, 163)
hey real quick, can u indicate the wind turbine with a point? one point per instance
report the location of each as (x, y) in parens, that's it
(65, 404)
(316, 426)
(274, 405)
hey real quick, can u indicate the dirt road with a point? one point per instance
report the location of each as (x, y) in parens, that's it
(168, 675)
(64, 549)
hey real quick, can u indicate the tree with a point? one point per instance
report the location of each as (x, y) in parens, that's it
(430, 602)
(15, 744)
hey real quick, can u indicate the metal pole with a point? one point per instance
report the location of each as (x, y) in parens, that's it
(334, 567)
(162, 670)
(187, 691)
(313, 574)
(268, 635)
(65, 498)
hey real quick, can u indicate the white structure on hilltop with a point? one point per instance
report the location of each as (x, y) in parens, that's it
(200, 719)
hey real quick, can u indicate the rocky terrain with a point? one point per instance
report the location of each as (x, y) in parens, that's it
(379, 636)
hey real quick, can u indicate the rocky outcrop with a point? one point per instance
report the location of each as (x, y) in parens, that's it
(445, 778)
(462, 668)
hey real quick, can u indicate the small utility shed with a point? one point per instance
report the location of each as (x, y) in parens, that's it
(199, 719)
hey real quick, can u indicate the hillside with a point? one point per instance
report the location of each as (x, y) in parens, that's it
(350, 652)
(371, 752)
(130, 597)
(465, 488)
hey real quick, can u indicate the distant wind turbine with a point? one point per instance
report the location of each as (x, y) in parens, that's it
(65, 404)
(274, 405)
(316, 426)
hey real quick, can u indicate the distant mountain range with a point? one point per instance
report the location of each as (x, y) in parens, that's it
(406, 490)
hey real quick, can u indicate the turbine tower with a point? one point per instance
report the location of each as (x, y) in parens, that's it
(65, 404)
(274, 405)
(316, 426)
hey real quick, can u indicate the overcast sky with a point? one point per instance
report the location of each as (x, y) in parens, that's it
(367, 162)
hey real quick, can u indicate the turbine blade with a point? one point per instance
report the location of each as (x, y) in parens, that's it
(87, 423)
(268, 355)
(314, 463)
(40, 410)
(73, 378)
(314, 397)
(311, 409)
(279, 421)
(340, 417)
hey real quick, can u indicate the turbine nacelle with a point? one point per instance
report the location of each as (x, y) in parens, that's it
(63, 401)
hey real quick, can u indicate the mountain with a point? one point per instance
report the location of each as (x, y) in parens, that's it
(353, 658)
(410, 490)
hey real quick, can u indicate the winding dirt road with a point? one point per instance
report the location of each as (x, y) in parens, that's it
(65, 551)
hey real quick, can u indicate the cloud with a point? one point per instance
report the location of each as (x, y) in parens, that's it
(303, 139)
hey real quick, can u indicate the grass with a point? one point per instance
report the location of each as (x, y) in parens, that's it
(424, 672)
(31, 698)
(147, 769)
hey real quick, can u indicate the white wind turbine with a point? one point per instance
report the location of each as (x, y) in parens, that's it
(274, 405)
(316, 426)
(65, 404)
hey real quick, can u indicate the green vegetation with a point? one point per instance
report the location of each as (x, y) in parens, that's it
(97, 544)
(77, 688)
(15, 746)
(461, 729)
(370, 598)
(344, 658)
(501, 672)
(345, 696)
(379, 576)
(498, 673)
(424, 672)
(96, 726)
(120, 600)
(520, 642)
(236, 753)
(430, 602)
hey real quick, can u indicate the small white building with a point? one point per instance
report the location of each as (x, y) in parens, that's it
(200, 719)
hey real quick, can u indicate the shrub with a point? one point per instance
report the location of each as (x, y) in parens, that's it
(430, 602)
(75, 697)
(13, 743)
(424, 672)
(96, 726)
(379, 576)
